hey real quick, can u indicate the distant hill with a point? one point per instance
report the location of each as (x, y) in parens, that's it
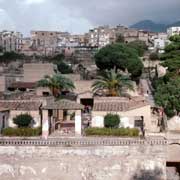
(174, 24)
(152, 26)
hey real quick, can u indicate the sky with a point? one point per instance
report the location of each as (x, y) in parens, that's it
(78, 16)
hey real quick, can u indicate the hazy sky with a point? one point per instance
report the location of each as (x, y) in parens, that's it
(77, 16)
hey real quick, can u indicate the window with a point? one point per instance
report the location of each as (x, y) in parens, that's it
(138, 123)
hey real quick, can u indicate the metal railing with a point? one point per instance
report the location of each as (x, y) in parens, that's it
(70, 142)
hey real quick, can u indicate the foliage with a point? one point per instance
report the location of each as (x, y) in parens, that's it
(175, 38)
(168, 96)
(27, 132)
(58, 57)
(111, 121)
(140, 46)
(23, 120)
(173, 46)
(112, 132)
(63, 67)
(56, 83)
(120, 39)
(167, 88)
(119, 56)
(154, 56)
(10, 56)
(114, 84)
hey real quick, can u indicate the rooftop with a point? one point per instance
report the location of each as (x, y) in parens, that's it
(118, 104)
(20, 105)
(64, 104)
(28, 85)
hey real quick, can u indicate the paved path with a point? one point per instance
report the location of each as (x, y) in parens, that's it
(146, 91)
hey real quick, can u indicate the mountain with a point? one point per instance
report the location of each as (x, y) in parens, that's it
(152, 26)
(174, 24)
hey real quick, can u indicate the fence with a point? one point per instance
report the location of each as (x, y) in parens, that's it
(81, 142)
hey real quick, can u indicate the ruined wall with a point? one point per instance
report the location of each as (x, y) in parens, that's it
(81, 163)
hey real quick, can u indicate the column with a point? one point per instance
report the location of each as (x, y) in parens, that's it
(78, 123)
(45, 124)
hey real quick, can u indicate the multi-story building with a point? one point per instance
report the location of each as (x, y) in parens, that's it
(44, 41)
(173, 31)
(101, 36)
(11, 41)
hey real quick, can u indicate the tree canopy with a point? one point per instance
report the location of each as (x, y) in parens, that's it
(56, 83)
(112, 83)
(119, 56)
(168, 96)
(167, 88)
(62, 66)
(140, 46)
(23, 120)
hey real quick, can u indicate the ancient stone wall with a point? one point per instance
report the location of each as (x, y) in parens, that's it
(82, 163)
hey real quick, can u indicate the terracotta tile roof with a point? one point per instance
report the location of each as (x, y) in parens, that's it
(29, 85)
(64, 104)
(118, 104)
(21, 105)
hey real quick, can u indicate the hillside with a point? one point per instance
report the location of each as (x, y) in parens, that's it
(152, 26)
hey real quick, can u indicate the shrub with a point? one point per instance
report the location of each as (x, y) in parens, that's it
(112, 132)
(27, 132)
(111, 121)
(23, 120)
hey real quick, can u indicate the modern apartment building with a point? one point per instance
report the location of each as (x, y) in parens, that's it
(173, 31)
(101, 36)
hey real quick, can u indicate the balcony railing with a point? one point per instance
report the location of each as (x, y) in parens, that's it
(70, 142)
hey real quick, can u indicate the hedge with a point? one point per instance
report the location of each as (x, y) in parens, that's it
(112, 132)
(26, 132)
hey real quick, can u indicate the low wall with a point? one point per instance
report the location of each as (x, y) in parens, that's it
(82, 161)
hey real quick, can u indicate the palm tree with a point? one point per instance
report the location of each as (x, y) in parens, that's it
(56, 83)
(112, 83)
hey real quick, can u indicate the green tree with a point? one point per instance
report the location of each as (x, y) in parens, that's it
(120, 38)
(10, 56)
(56, 83)
(175, 38)
(112, 83)
(140, 46)
(63, 67)
(167, 88)
(119, 56)
(168, 96)
(111, 121)
(23, 120)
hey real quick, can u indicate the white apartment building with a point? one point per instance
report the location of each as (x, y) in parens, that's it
(101, 36)
(173, 31)
(11, 41)
(161, 41)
